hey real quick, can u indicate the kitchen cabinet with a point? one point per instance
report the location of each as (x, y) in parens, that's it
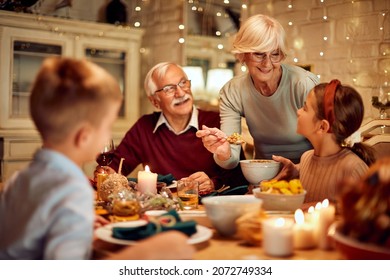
(25, 41)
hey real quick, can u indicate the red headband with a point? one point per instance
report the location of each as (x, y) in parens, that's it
(330, 91)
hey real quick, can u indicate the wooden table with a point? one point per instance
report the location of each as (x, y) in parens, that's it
(220, 248)
(223, 248)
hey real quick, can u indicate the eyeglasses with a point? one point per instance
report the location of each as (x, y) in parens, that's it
(170, 90)
(275, 56)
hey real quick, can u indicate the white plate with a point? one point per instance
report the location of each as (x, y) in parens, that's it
(105, 233)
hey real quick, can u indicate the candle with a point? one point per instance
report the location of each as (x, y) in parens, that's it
(325, 219)
(278, 236)
(304, 235)
(147, 181)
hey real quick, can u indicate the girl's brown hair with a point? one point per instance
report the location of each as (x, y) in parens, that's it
(348, 116)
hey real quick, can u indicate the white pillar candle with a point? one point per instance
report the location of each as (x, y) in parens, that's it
(147, 181)
(325, 219)
(278, 237)
(304, 236)
(312, 218)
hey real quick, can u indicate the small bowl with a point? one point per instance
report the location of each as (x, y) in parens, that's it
(224, 210)
(353, 249)
(257, 170)
(280, 202)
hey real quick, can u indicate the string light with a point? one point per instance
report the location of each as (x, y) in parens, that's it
(181, 40)
(181, 26)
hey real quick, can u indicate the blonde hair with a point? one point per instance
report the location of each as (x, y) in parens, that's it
(67, 92)
(159, 70)
(259, 33)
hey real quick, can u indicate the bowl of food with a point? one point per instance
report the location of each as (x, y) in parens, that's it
(281, 195)
(354, 249)
(256, 170)
(223, 211)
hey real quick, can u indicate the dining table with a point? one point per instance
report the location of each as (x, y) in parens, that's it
(219, 247)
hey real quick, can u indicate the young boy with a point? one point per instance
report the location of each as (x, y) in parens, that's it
(46, 210)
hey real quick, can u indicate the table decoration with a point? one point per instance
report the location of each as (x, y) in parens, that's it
(167, 221)
(147, 181)
(112, 184)
(278, 237)
(325, 218)
(304, 232)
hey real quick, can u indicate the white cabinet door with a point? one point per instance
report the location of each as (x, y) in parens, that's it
(22, 53)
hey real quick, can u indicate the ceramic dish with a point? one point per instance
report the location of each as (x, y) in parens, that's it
(352, 249)
(105, 233)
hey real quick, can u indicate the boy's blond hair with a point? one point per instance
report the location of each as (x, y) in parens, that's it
(67, 92)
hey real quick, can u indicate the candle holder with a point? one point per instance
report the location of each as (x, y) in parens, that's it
(380, 106)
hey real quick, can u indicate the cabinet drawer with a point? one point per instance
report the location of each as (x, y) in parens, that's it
(20, 149)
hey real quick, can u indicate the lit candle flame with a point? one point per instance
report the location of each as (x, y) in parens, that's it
(147, 169)
(299, 217)
(310, 210)
(325, 203)
(318, 206)
(279, 222)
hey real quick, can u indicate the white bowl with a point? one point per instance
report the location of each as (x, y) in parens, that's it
(224, 210)
(280, 202)
(256, 170)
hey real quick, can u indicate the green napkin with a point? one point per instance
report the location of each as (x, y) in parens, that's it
(168, 179)
(168, 221)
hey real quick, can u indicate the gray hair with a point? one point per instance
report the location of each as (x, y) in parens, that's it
(259, 33)
(159, 70)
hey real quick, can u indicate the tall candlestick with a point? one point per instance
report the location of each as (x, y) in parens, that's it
(278, 237)
(304, 235)
(147, 181)
(325, 219)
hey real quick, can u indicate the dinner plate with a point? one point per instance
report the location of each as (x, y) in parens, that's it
(105, 233)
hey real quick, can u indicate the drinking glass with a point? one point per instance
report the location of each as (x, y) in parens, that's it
(104, 159)
(187, 191)
(106, 154)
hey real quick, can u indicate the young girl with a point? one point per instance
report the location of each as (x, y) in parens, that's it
(331, 114)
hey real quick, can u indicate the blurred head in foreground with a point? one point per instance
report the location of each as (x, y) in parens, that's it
(74, 103)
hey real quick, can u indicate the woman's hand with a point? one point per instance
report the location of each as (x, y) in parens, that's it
(214, 141)
(289, 169)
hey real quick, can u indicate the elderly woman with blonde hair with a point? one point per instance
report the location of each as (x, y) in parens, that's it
(267, 96)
